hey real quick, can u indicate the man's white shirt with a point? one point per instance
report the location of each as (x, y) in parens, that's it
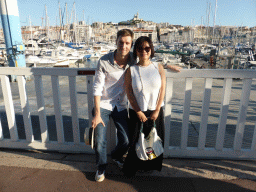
(109, 83)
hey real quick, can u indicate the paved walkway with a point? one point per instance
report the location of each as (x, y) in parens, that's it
(49, 171)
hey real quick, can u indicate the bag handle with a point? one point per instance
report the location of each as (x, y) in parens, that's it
(141, 127)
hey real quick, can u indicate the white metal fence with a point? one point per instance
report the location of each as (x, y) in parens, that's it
(191, 136)
(44, 143)
(218, 150)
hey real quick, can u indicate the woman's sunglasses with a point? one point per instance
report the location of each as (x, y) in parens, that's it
(141, 49)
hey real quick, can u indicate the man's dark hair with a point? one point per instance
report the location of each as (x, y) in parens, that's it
(124, 32)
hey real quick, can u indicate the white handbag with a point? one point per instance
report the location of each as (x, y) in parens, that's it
(150, 147)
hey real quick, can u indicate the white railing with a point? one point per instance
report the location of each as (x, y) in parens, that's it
(205, 144)
(44, 143)
(218, 150)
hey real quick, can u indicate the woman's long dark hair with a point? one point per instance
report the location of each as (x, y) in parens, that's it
(138, 45)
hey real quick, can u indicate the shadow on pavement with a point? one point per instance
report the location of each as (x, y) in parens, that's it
(168, 184)
(20, 179)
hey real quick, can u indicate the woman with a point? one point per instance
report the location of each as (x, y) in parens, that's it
(145, 88)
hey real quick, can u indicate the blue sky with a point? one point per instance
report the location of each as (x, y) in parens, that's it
(183, 12)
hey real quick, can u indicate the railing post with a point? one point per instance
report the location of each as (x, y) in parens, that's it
(41, 108)
(223, 114)
(1, 129)
(9, 107)
(244, 101)
(74, 110)
(25, 108)
(205, 113)
(57, 109)
(168, 112)
(186, 112)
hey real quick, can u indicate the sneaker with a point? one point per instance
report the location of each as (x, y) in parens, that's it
(100, 176)
(119, 163)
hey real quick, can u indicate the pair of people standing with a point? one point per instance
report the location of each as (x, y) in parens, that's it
(118, 76)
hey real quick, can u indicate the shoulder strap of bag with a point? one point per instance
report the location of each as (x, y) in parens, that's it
(141, 127)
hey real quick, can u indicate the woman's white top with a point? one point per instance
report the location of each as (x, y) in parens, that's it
(146, 84)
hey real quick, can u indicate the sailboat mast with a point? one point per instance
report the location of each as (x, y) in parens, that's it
(66, 5)
(67, 23)
(83, 16)
(208, 21)
(60, 13)
(31, 36)
(46, 21)
(75, 22)
(206, 31)
(60, 29)
(214, 20)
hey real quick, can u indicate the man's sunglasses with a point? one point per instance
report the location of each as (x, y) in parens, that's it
(141, 49)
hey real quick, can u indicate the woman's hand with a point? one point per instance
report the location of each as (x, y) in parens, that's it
(97, 120)
(142, 117)
(154, 115)
(174, 68)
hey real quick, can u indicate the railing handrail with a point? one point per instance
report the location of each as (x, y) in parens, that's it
(189, 73)
(212, 73)
(47, 71)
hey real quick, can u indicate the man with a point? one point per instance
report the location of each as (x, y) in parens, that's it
(110, 101)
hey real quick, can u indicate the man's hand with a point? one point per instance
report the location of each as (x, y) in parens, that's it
(174, 68)
(97, 120)
(142, 117)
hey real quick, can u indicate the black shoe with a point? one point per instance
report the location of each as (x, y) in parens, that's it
(119, 163)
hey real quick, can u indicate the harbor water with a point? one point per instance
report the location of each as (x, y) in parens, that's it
(89, 63)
